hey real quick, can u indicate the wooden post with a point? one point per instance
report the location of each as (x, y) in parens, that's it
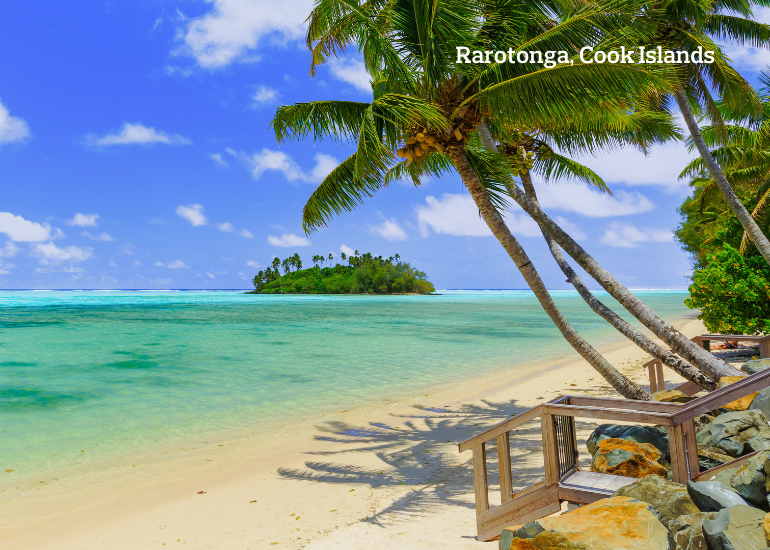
(550, 454)
(679, 466)
(653, 381)
(504, 467)
(764, 348)
(692, 449)
(706, 344)
(661, 380)
(480, 479)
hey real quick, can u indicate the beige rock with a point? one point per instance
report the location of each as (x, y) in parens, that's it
(741, 404)
(766, 528)
(616, 523)
(626, 458)
(672, 396)
(687, 531)
(668, 498)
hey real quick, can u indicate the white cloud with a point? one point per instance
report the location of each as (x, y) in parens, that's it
(217, 157)
(352, 71)
(621, 235)
(50, 254)
(452, 214)
(579, 198)
(101, 237)
(227, 227)
(211, 275)
(5, 268)
(193, 213)
(12, 128)
(9, 251)
(137, 262)
(574, 231)
(252, 263)
(277, 160)
(347, 250)
(748, 56)
(137, 134)
(288, 239)
(83, 220)
(265, 94)
(245, 233)
(389, 229)
(176, 264)
(233, 29)
(20, 230)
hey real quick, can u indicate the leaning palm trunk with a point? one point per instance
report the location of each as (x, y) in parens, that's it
(712, 366)
(749, 224)
(667, 357)
(494, 221)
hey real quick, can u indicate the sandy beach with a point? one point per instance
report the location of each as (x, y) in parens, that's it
(389, 475)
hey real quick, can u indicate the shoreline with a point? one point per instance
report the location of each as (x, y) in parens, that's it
(296, 467)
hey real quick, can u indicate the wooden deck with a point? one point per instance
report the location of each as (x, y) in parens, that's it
(564, 481)
(763, 341)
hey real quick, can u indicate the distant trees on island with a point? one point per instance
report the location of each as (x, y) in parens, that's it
(364, 274)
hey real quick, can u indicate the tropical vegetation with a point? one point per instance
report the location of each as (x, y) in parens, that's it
(364, 274)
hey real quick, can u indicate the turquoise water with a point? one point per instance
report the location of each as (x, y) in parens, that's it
(116, 372)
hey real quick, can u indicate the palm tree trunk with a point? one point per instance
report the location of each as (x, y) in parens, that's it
(667, 357)
(759, 239)
(494, 221)
(712, 366)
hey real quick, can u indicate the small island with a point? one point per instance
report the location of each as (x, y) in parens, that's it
(364, 274)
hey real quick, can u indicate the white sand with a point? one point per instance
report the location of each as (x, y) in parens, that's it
(384, 477)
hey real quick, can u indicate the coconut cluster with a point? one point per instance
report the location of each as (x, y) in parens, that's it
(423, 140)
(523, 157)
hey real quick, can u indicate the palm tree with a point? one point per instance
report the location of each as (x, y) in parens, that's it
(742, 149)
(427, 111)
(687, 26)
(331, 258)
(276, 263)
(533, 151)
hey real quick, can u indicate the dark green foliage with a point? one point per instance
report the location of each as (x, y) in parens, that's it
(365, 274)
(732, 292)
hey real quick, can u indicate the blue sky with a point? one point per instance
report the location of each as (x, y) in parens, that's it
(135, 153)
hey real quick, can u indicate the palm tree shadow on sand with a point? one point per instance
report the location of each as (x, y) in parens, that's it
(422, 452)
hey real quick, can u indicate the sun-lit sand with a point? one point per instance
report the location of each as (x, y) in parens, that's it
(385, 477)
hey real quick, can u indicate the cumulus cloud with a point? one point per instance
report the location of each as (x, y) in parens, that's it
(20, 230)
(748, 56)
(193, 213)
(137, 134)
(101, 237)
(12, 128)
(227, 227)
(176, 264)
(347, 250)
(579, 198)
(5, 268)
(574, 231)
(50, 254)
(351, 71)
(9, 251)
(621, 235)
(217, 157)
(287, 240)
(83, 220)
(211, 275)
(252, 263)
(390, 230)
(233, 29)
(279, 161)
(265, 94)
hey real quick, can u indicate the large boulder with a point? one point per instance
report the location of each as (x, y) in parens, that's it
(766, 528)
(672, 396)
(616, 523)
(687, 531)
(702, 420)
(712, 496)
(711, 457)
(731, 431)
(759, 442)
(740, 404)
(626, 458)
(755, 365)
(654, 435)
(736, 528)
(762, 402)
(668, 498)
(750, 479)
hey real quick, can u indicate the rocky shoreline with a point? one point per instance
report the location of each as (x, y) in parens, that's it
(727, 512)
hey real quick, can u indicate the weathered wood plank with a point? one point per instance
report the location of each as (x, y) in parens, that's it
(608, 414)
(708, 474)
(661, 377)
(499, 429)
(678, 455)
(504, 467)
(550, 455)
(693, 466)
(689, 388)
(480, 483)
(520, 510)
(629, 404)
(546, 510)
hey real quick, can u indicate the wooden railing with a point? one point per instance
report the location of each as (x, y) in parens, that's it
(557, 422)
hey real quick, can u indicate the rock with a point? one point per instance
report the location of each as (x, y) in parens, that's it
(749, 479)
(725, 477)
(654, 435)
(739, 404)
(702, 420)
(687, 531)
(735, 528)
(761, 402)
(759, 442)
(626, 458)
(730, 431)
(616, 523)
(712, 496)
(668, 498)
(766, 528)
(711, 457)
(755, 365)
(672, 396)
